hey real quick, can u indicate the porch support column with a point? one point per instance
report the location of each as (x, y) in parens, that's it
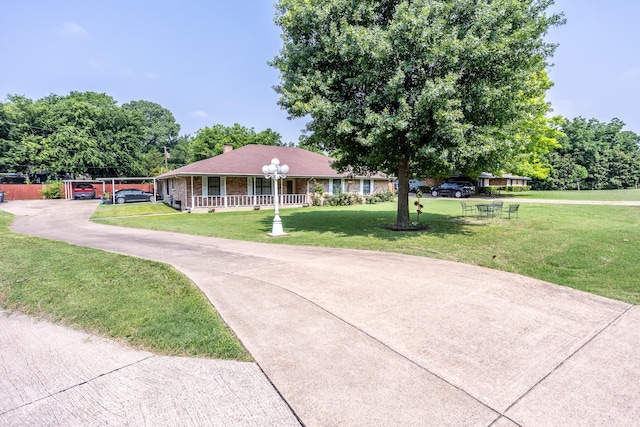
(193, 196)
(223, 190)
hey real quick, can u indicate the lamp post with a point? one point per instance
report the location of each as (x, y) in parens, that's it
(276, 172)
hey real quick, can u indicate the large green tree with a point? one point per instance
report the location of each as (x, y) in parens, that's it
(537, 137)
(21, 134)
(159, 123)
(593, 155)
(81, 134)
(408, 86)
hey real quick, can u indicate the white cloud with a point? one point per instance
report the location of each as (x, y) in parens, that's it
(199, 114)
(73, 29)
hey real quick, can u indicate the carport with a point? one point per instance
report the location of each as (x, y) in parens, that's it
(120, 179)
(68, 184)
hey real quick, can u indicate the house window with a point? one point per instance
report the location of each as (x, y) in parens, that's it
(366, 186)
(213, 186)
(263, 186)
(337, 186)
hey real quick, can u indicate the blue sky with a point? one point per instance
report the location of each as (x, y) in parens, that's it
(206, 61)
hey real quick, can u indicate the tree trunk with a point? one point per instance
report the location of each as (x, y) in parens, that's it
(402, 219)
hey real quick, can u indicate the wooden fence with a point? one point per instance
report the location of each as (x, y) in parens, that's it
(21, 191)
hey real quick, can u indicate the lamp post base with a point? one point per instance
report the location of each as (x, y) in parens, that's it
(276, 228)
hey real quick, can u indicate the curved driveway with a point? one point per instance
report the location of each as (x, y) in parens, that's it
(356, 338)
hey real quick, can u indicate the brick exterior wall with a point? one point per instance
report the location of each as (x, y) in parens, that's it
(353, 185)
(197, 186)
(324, 183)
(300, 186)
(432, 182)
(237, 185)
(382, 186)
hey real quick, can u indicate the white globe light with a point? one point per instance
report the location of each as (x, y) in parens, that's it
(265, 169)
(284, 169)
(272, 168)
(275, 161)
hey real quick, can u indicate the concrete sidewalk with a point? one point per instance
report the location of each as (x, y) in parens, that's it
(364, 338)
(55, 376)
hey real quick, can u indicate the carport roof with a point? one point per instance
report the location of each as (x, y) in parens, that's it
(249, 159)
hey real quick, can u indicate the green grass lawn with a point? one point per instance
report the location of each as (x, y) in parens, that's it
(595, 195)
(594, 248)
(131, 209)
(143, 303)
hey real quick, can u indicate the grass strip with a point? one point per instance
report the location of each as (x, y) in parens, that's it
(133, 209)
(146, 304)
(586, 195)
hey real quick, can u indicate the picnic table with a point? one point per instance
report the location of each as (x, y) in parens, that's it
(489, 209)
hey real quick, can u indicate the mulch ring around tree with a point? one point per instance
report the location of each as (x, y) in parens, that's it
(410, 227)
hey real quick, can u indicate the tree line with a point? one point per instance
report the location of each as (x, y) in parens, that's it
(592, 155)
(88, 135)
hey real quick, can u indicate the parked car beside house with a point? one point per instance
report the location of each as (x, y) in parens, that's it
(455, 189)
(130, 195)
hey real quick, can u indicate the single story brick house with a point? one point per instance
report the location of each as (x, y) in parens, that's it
(484, 180)
(505, 180)
(235, 179)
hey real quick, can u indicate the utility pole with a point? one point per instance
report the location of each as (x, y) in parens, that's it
(166, 159)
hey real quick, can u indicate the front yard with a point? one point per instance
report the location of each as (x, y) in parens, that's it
(594, 248)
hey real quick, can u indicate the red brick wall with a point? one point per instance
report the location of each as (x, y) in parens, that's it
(237, 185)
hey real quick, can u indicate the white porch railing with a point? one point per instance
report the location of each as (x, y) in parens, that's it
(247, 201)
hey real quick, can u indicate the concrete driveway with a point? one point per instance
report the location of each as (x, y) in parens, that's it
(357, 338)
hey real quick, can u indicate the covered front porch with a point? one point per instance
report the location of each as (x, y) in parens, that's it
(203, 193)
(246, 200)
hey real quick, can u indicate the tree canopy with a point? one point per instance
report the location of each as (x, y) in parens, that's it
(210, 141)
(593, 155)
(78, 134)
(86, 134)
(415, 86)
(159, 124)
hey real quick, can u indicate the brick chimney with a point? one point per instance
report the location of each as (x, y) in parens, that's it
(227, 148)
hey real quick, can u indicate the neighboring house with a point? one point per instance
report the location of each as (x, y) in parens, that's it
(506, 180)
(484, 181)
(235, 179)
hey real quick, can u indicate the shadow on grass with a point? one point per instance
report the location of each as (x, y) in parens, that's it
(363, 223)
